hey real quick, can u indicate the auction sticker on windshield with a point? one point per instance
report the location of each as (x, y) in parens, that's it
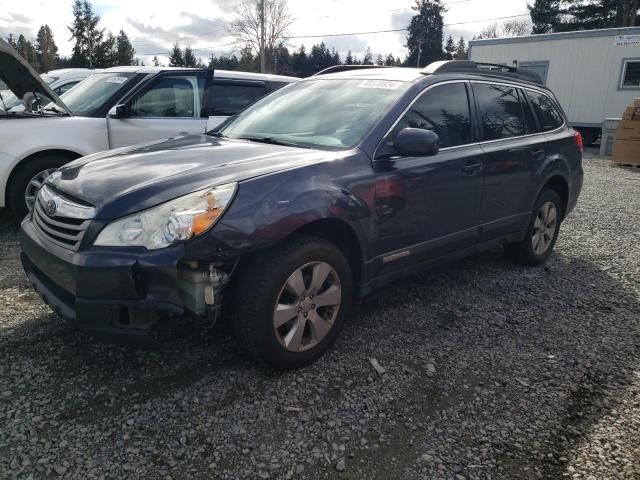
(386, 84)
(116, 79)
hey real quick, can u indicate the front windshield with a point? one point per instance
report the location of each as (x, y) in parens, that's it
(331, 114)
(94, 91)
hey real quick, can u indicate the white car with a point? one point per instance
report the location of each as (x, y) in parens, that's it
(116, 107)
(60, 81)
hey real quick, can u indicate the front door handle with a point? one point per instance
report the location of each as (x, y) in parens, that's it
(471, 167)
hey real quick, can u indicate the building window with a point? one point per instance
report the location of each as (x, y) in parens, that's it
(630, 74)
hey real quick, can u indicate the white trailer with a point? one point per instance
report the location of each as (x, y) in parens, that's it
(594, 73)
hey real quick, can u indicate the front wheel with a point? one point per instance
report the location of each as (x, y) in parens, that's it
(542, 231)
(290, 302)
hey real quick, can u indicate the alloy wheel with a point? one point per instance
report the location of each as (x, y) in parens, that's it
(544, 228)
(34, 185)
(307, 306)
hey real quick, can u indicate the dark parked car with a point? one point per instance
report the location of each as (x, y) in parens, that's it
(325, 190)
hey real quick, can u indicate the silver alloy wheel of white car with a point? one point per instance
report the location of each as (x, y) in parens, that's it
(307, 306)
(34, 185)
(544, 228)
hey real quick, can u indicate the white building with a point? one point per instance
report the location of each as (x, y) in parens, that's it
(594, 73)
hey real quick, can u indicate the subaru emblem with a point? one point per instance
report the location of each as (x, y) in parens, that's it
(51, 207)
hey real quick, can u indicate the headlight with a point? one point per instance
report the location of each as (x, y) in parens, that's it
(177, 220)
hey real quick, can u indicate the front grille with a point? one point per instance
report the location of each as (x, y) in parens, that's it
(67, 225)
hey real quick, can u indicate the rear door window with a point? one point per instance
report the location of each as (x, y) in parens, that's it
(443, 109)
(500, 110)
(546, 111)
(229, 98)
(530, 123)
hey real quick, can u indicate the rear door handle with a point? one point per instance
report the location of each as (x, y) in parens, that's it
(471, 167)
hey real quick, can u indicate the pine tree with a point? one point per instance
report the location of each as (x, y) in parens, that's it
(155, 61)
(86, 34)
(368, 57)
(125, 51)
(106, 53)
(544, 15)
(349, 58)
(46, 49)
(379, 59)
(390, 61)
(450, 49)
(190, 60)
(176, 58)
(461, 50)
(28, 52)
(424, 37)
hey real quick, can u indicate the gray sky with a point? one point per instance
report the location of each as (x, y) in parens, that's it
(153, 25)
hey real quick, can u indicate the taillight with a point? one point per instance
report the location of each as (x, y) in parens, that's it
(578, 139)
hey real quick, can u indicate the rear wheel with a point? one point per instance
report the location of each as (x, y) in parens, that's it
(290, 303)
(542, 231)
(26, 182)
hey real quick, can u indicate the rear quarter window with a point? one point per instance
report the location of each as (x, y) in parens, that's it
(501, 113)
(545, 109)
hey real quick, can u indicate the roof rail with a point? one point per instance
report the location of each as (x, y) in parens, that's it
(345, 68)
(492, 69)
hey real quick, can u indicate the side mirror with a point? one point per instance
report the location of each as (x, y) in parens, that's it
(417, 142)
(119, 111)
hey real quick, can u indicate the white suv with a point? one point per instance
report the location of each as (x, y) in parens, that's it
(116, 107)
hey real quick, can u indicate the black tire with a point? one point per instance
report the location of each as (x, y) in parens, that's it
(257, 288)
(523, 252)
(21, 178)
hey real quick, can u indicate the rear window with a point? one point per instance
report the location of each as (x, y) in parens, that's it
(500, 111)
(546, 111)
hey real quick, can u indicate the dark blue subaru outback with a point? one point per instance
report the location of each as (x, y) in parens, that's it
(325, 190)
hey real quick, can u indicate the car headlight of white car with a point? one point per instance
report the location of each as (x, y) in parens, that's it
(176, 220)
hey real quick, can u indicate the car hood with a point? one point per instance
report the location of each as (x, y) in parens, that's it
(20, 78)
(126, 180)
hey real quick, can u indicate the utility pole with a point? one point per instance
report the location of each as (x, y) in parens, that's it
(263, 40)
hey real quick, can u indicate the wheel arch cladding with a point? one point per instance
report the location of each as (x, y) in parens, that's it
(59, 153)
(560, 185)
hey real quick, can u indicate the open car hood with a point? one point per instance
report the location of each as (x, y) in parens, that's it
(21, 79)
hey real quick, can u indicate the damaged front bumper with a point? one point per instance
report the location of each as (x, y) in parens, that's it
(121, 293)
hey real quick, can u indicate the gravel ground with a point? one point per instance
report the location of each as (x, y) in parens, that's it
(492, 371)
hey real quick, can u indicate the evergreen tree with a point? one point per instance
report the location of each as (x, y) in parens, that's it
(301, 63)
(379, 59)
(155, 62)
(449, 49)
(86, 34)
(368, 57)
(424, 36)
(544, 15)
(28, 52)
(125, 51)
(106, 53)
(46, 49)
(461, 50)
(281, 60)
(176, 58)
(390, 61)
(349, 58)
(190, 60)
(248, 61)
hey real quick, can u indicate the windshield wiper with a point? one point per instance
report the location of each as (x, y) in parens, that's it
(273, 141)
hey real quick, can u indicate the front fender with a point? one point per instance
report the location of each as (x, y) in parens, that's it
(269, 209)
